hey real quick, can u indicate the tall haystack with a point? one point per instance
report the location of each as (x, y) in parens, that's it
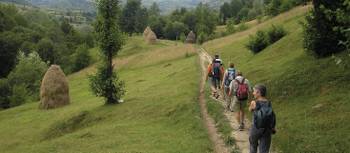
(54, 90)
(151, 37)
(191, 38)
(146, 32)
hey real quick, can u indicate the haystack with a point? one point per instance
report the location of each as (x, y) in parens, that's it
(54, 90)
(151, 37)
(191, 38)
(146, 32)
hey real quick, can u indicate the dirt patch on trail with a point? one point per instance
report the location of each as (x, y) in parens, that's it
(219, 145)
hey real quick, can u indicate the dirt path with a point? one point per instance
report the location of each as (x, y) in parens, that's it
(241, 137)
(219, 145)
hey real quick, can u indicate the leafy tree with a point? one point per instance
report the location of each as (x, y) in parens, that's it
(81, 58)
(231, 26)
(225, 12)
(106, 82)
(273, 7)
(133, 17)
(9, 45)
(46, 50)
(174, 30)
(154, 10)
(322, 30)
(28, 72)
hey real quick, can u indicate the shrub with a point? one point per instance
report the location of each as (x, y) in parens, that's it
(81, 58)
(19, 95)
(242, 26)
(202, 37)
(5, 93)
(275, 33)
(258, 42)
(231, 26)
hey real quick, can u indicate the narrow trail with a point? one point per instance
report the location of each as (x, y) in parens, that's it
(217, 141)
(241, 137)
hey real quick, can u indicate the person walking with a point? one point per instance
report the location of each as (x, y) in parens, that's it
(215, 71)
(264, 121)
(239, 90)
(229, 76)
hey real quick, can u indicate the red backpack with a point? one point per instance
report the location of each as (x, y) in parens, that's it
(242, 90)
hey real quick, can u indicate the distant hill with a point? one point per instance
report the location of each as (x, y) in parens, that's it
(88, 5)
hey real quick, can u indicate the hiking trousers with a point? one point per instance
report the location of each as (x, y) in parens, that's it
(259, 138)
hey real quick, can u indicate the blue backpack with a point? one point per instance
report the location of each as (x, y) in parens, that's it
(231, 75)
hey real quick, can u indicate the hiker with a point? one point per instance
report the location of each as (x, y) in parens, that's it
(215, 71)
(239, 91)
(229, 75)
(264, 121)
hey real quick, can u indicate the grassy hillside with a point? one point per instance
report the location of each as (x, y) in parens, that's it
(160, 112)
(310, 96)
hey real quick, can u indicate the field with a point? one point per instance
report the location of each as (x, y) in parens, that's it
(160, 112)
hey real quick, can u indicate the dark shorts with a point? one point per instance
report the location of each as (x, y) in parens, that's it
(215, 82)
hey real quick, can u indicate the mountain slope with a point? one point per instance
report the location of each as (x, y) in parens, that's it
(310, 96)
(156, 116)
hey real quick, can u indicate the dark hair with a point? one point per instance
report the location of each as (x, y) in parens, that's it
(232, 65)
(216, 56)
(262, 89)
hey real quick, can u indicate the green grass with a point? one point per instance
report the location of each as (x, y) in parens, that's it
(310, 96)
(160, 112)
(216, 111)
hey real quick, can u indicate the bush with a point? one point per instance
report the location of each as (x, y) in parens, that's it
(242, 26)
(5, 93)
(275, 33)
(27, 73)
(322, 30)
(81, 58)
(19, 95)
(258, 42)
(202, 37)
(231, 26)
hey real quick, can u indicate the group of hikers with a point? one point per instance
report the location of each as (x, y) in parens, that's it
(236, 91)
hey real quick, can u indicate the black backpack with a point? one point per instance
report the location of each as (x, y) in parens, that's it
(264, 117)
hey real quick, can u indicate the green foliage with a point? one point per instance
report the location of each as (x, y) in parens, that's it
(262, 39)
(182, 37)
(46, 50)
(242, 26)
(10, 43)
(258, 42)
(231, 27)
(273, 8)
(28, 72)
(173, 30)
(23, 83)
(105, 83)
(275, 33)
(202, 37)
(133, 17)
(19, 95)
(81, 58)
(322, 30)
(5, 93)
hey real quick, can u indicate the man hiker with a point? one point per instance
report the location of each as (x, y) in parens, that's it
(229, 76)
(215, 71)
(264, 121)
(239, 91)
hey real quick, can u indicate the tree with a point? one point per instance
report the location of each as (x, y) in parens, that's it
(106, 83)
(273, 7)
(154, 10)
(81, 58)
(133, 18)
(46, 50)
(323, 30)
(225, 12)
(9, 45)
